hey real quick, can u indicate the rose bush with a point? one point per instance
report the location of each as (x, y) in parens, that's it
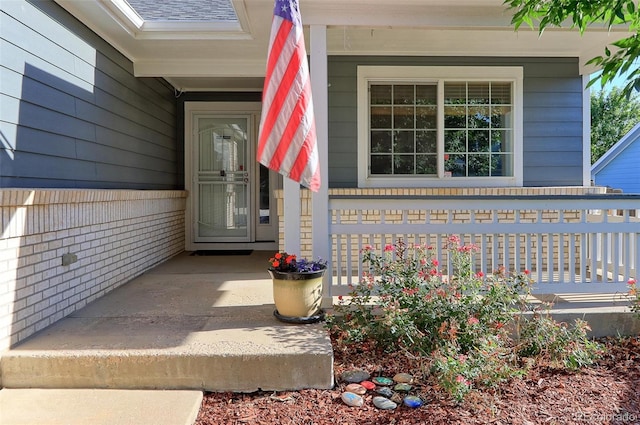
(458, 321)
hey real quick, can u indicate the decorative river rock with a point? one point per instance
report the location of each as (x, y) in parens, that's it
(368, 385)
(356, 389)
(384, 403)
(381, 380)
(403, 378)
(354, 376)
(351, 399)
(412, 401)
(384, 391)
(402, 387)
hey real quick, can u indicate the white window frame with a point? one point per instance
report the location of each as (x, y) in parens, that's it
(437, 75)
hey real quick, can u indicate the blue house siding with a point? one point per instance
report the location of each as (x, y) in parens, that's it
(71, 112)
(73, 115)
(552, 115)
(552, 133)
(618, 168)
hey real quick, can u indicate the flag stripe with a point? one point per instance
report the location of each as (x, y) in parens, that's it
(295, 116)
(304, 156)
(297, 131)
(284, 102)
(277, 51)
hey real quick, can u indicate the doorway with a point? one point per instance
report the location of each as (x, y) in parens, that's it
(230, 204)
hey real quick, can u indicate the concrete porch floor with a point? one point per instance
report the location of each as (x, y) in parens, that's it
(206, 323)
(193, 322)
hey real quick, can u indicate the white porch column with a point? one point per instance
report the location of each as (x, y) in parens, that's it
(320, 200)
(291, 199)
(586, 131)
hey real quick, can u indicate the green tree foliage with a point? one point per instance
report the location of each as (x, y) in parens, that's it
(612, 116)
(617, 60)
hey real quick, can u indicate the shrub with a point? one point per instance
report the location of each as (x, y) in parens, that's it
(457, 321)
(634, 296)
(555, 344)
(419, 308)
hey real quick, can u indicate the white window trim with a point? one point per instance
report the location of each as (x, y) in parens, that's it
(431, 74)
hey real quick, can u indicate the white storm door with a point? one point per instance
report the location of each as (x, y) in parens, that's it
(222, 166)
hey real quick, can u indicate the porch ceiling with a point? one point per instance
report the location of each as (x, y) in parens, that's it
(214, 55)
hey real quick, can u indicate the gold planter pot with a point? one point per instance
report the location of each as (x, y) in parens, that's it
(297, 295)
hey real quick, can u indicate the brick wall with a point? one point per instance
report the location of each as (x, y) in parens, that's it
(115, 235)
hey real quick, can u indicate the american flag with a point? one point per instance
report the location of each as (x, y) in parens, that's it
(287, 137)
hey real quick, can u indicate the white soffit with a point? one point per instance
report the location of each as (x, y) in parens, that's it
(189, 47)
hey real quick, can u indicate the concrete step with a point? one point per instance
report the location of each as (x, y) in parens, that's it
(608, 314)
(164, 330)
(98, 407)
(213, 354)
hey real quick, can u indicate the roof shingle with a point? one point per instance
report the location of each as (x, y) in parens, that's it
(185, 10)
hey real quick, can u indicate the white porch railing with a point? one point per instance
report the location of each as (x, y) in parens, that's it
(570, 244)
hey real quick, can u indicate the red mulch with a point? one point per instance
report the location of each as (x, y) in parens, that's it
(608, 393)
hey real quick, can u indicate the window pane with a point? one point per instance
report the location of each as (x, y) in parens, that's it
(478, 165)
(478, 141)
(380, 95)
(403, 164)
(502, 165)
(501, 117)
(381, 164)
(455, 93)
(455, 116)
(455, 141)
(426, 164)
(403, 142)
(501, 141)
(426, 117)
(478, 94)
(456, 165)
(426, 142)
(479, 117)
(403, 117)
(500, 93)
(427, 95)
(381, 142)
(380, 117)
(403, 95)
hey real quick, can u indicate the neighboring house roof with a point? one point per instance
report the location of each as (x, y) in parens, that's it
(614, 158)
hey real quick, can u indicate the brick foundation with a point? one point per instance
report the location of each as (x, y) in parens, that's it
(115, 235)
